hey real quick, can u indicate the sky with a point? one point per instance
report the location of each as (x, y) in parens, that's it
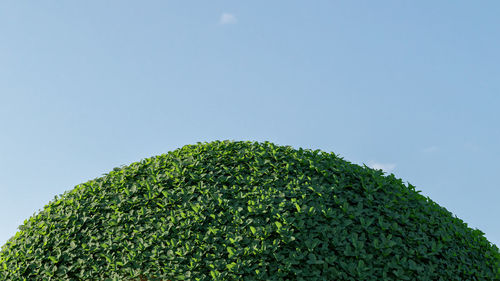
(410, 87)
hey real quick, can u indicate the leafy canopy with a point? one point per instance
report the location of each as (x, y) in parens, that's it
(230, 210)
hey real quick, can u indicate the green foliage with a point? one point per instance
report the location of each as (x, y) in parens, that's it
(230, 210)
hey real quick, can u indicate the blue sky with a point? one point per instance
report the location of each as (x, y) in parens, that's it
(407, 86)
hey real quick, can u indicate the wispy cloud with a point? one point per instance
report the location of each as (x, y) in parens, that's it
(227, 18)
(430, 149)
(387, 167)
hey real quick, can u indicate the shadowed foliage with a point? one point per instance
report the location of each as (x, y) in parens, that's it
(229, 210)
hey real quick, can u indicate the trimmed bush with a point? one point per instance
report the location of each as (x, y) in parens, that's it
(228, 210)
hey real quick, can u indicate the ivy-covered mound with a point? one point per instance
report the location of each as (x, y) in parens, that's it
(230, 210)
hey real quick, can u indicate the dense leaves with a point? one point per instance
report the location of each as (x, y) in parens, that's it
(230, 210)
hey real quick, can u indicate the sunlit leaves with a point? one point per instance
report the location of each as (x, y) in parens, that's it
(246, 211)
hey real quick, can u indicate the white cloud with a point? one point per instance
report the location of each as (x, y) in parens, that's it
(389, 167)
(227, 19)
(430, 149)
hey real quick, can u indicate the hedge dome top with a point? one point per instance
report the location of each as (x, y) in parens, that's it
(230, 210)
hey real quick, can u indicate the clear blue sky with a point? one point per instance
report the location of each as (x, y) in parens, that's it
(408, 86)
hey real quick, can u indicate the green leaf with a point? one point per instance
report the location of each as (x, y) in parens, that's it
(231, 265)
(278, 224)
(297, 206)
(230, 251)
(195, 207)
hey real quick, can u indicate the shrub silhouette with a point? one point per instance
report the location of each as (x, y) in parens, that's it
(228, 210)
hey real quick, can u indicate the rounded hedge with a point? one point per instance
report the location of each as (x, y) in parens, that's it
(229, 210)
